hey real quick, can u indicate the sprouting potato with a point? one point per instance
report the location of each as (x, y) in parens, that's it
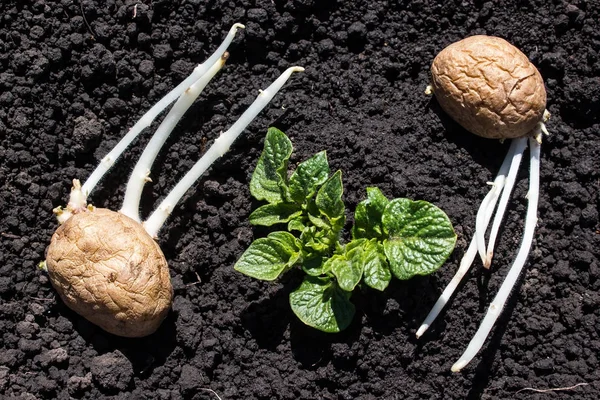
(106, 265)
(108, 269)
(489, 87)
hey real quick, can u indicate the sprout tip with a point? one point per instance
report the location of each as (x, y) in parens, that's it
(459, 365)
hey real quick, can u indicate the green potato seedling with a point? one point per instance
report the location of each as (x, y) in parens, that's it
(398, 237)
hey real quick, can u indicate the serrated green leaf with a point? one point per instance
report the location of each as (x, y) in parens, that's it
(321, 304)
(329, 197)
(376, 269)
(266, 259)
(307, 177)
(271, 170)
(420, 237)
(367, 217)
(277, 213)
(348, 269)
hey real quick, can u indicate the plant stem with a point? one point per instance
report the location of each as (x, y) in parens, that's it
(141, 171)
(218, 149)
(515, 270)
(107, 162)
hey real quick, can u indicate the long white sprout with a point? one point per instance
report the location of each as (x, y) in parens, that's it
(483, 219)
(145, 121)
(465, 265)
(503, 185)
(141, 171)
(499, 301)
(218, 149)
(520, 144)
(186, 93)
(489, 204)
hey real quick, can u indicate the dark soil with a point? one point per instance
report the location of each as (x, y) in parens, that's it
(74, 75)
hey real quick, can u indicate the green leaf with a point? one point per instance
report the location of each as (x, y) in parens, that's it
(296, 224)
(271, 170)
(315, 239)
(420, 239)
(290, 241)
(355, 243)
(376, 270)
(318, 222)
(266, 259)
(337, 224)
(307, 177)
(321, 304)
(271, 214)
(367, 217)
(329, 198)
(313, 265)
(348, 269)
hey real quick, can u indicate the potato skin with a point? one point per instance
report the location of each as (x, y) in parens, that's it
(109, 270)
(489, 87)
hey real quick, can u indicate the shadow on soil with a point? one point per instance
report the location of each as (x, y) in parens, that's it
(485, 358)
(145, 354)
(488, 153)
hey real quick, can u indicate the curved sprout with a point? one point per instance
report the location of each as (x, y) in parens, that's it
(489, 203)
(520, 145)
(465, 264)
(515, 270)
(506, 177)
(141, 171)
(483, 219)
(145, 121)
(186, 92)
(218, 149)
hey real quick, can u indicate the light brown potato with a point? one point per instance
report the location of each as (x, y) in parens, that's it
(489, 87)
(108, 269)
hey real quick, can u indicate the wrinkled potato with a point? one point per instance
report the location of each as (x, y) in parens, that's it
(489, 87)
(109, 270)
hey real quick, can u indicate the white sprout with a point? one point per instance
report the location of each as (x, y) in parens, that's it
(503, 185)
(185, 93)
(515, 270)
(484, 214)
(465, 264)
(149, 116)
(141, 171)
(520, 145)
(489, 203)
(219, 148)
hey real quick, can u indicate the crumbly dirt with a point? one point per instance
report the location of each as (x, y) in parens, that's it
(75, 75)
